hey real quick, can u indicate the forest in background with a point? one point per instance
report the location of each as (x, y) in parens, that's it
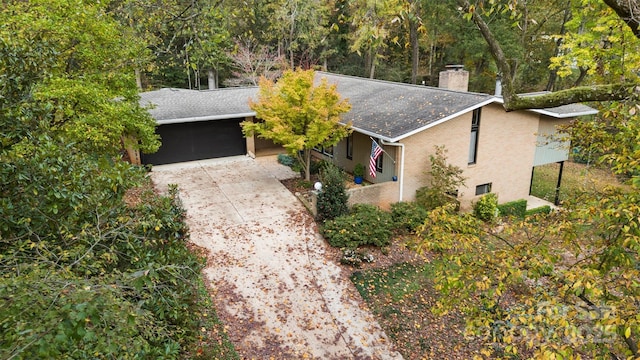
(87, 272)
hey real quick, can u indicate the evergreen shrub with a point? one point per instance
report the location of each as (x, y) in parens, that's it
(332, 200)
(407, 216)
(364, 225)
(486, 208)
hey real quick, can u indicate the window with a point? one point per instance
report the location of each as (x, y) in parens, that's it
(473, 144)
(325, 150)
(350, 146)
(483, 189)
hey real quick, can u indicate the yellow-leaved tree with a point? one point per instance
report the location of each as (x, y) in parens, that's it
(299, 115)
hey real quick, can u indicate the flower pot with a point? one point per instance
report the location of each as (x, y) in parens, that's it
(357, 179)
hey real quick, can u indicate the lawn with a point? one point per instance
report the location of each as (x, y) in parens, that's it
(402, 298)
(576, 178)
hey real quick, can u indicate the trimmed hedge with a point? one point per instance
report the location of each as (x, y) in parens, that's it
(516, 208)
(364, 225)
(546, 209)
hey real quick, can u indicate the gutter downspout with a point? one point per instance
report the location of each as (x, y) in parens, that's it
(401, 146)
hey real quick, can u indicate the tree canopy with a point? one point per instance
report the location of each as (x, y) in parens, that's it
(299, 114)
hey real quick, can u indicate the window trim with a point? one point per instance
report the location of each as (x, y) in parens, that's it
(483, 189)
(350, 146)
(475, 136)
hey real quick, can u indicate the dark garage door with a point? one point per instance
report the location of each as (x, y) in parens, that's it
(197, 141)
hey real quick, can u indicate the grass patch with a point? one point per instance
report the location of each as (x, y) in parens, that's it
(401, 297)
(576, 179)
(395, 282)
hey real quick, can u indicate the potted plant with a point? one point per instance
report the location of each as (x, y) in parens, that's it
(358, 173)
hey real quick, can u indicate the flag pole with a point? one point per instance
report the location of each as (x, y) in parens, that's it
(381, 148)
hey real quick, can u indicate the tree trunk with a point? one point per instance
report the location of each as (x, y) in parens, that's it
(628, 11)
(512, 101)
(213, 79)
(307, 165)
(138, 79)
(415, 50)
(553, 74)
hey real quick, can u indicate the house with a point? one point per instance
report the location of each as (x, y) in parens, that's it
(497, 150)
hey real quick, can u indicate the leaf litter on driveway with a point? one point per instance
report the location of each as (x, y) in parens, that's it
(276, 289)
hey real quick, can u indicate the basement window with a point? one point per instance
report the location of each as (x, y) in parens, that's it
(483, 189)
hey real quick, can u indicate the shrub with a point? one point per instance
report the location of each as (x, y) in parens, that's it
(445, 179)
(407, 216)
(431, 198)
(332, 200)
(546, 209)
(486, 208)
(364, 225)
(516, 208)
(286, 160)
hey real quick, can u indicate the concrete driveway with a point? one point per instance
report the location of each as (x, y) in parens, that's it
(274, 286)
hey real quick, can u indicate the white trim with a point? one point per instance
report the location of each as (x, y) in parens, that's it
(452, 116)
(370, 134)
(205, 118)
(564, 116)
(556, 115)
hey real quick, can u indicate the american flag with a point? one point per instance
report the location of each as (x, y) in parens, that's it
(376, 150)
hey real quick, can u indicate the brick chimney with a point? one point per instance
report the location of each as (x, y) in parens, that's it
(455, 77)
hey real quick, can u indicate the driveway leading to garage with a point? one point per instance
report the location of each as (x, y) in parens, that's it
(273, 283)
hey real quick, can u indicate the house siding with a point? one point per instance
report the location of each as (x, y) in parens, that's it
(506, 148)
(550, 149)
(361, 154)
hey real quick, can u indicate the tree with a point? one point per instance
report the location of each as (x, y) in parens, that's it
(626, 89)
(252, 61)
(333, 199)
(299, 115)
(372, 21)
(558, 287)
(70, 79)
(186, 39)
(444, 181)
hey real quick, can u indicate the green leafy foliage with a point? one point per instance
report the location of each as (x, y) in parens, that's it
(444, 180)
(516, 208)
(299, 115)
(364, 225)
(407, 216)
(546, 209)
(332, 200)
(98, 276)
(486, 208)
(528, 288)
(65, 72)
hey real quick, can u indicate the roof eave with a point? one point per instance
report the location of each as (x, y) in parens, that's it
(546, 112)
(444, 119)
(205, 118)
(564, 116)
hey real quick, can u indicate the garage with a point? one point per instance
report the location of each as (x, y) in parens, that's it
(197, 140)
(198, 124)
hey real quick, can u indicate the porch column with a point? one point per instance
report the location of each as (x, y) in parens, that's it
(557, 199)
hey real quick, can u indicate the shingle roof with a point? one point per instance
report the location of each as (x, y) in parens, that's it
(393, 111)
(182, 105)
(382, 109)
